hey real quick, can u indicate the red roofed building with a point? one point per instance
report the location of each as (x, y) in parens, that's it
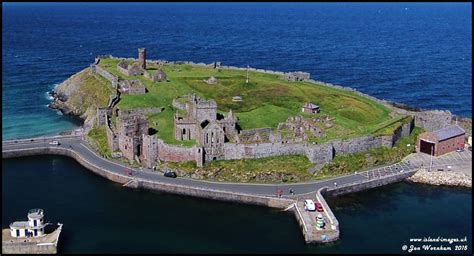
(310, 108)
(441, 141)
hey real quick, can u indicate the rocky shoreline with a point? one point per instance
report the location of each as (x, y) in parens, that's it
(441, 178)
(70, 100)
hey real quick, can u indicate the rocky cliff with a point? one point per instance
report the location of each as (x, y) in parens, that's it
(80, 95)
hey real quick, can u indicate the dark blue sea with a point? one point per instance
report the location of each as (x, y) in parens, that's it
(419, 54)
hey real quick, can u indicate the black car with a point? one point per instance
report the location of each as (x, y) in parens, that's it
(170, 174)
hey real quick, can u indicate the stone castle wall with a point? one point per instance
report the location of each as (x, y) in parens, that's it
(320, 154)
(149, 150)
(433, 120)
(250, 151)
(403, 131)
(355, 145)
(112, 139)
(105, 74)
(179, 105)
(138, 111)
(172, 153)
(316, 153)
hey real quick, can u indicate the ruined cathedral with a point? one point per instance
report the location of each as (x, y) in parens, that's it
(203, 124)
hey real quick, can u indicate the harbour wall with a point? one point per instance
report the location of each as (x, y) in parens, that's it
(332, 218)
(280, 203)
(28, 248)
(366, 184)
(105, 74)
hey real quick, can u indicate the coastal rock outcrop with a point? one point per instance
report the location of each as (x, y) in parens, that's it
(448, 178)
(80, 95)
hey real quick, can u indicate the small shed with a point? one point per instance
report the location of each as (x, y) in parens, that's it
(441, 141)
(310, 108)
(211, 80)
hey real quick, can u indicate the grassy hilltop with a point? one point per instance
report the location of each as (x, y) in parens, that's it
(266, 101)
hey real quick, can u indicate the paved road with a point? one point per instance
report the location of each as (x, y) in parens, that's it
(79, 146)
(458, 161)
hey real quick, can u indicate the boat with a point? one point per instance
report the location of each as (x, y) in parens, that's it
(30, 237)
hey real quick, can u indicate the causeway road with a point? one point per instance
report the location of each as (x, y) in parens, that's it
(78, 145)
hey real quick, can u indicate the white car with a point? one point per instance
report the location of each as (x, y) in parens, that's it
(54, 142)
(309, 205)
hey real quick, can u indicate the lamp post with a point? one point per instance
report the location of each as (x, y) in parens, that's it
(431, 156)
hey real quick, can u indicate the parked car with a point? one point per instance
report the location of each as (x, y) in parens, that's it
(470, 148)
(309, 205)
(54, 142)
(460, 150)
(170, 174)
(319, 207)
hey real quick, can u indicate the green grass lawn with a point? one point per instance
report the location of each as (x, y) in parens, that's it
(98, 136)
(267, 100)
(262, 170)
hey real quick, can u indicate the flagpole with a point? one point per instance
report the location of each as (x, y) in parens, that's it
(247, 74)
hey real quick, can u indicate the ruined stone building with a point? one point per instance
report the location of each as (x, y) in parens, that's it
(203, 124)
(139, 68)
(129, 69)
(128, 135)
(130, 131)
(296, 76)
(157, 76)
(132, 87)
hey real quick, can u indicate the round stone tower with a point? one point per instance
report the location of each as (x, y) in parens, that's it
(36, 222)
(142, 57)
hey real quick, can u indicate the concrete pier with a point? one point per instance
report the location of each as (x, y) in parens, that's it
(47, 244)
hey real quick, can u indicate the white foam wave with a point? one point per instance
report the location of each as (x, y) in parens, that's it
(48, 97)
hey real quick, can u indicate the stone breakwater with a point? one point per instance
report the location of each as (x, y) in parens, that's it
(446, 178)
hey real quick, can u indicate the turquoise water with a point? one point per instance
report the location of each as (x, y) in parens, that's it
(100, 216)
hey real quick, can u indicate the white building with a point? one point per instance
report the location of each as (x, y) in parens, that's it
(33, 227)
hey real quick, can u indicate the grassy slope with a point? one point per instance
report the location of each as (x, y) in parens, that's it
(269, 169)
(94, 91)
(267, 100)
(99, 137)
